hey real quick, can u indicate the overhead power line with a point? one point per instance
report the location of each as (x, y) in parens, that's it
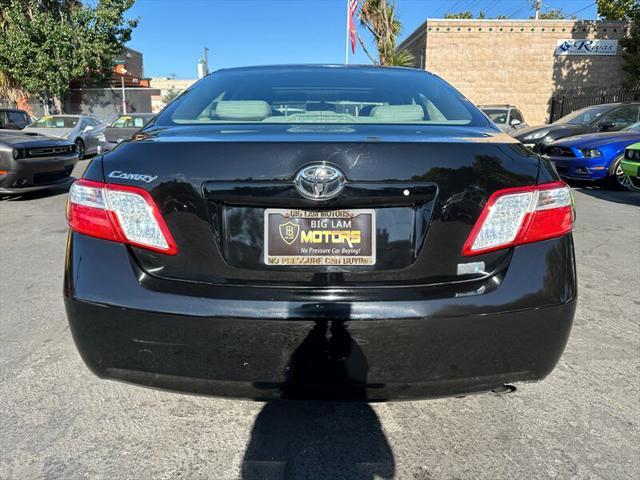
(582, 9)
(454, 6)
(523, 5)
(490, 6)
(440, 8)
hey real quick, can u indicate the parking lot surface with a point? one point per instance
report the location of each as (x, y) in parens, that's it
(60, 421)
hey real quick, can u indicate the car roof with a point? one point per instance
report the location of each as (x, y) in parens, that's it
(326, 66)
(497, 106)
(612, 105)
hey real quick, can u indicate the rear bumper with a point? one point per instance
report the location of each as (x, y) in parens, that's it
(375, 347)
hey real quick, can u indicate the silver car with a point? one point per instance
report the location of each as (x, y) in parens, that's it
(85, 131)
(507, 117)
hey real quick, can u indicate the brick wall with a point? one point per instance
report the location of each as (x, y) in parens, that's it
(513, 61)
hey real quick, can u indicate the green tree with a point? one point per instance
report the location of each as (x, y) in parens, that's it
(631, 52)
(618, 9)
(469, 15)
(626, 10)
(464, 15)
(379, 17)
(171, 95)
(47, 43)
(553, 14)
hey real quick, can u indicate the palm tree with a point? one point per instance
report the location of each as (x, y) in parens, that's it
(379, 17)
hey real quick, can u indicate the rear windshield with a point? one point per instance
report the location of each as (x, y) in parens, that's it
(497, 115)
(326, 95)
(7, 117)
(55, 122)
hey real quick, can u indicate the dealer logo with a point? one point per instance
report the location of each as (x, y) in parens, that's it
(289, 232)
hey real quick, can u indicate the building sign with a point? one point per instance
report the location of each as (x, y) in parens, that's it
(575, 46)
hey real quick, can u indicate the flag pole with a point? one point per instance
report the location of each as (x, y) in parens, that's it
(346, 37)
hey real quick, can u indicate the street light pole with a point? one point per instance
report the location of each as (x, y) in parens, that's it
(124, 98)
(122, 62)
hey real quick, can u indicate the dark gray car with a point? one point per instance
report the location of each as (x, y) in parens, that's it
(30, 161)
(13, 119)
(609, 117)
(124, 127)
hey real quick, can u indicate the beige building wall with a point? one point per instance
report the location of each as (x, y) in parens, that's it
(513, 61)
(165, 85)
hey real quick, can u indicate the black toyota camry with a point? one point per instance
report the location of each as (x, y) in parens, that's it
(321, 232)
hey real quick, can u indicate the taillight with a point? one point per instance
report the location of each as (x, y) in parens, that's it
(118, 213)
(514, 216)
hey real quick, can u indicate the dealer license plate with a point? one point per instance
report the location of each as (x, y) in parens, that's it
(304, 237)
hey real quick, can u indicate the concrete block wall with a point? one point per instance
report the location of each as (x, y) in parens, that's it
(513, 61)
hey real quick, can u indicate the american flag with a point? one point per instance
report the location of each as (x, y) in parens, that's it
(353, 6)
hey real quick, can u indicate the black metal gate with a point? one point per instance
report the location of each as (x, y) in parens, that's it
(564, 102)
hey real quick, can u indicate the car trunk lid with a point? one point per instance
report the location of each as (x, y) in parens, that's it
(424, 185)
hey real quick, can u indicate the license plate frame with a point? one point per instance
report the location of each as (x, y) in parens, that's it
(284, 242)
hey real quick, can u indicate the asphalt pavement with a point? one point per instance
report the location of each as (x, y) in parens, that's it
(58, 421)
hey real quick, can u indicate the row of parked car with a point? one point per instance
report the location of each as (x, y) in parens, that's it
(41, 153)
(586, 145)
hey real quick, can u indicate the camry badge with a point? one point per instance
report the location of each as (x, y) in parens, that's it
(319, 181)
(133, 176)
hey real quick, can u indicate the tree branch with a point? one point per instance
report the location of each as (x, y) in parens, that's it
(364, 47)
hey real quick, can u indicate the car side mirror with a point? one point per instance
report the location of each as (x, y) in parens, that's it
(515, 122)
(88, 128)
(605, 125)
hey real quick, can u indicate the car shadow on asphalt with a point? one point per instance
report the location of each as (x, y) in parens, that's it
(298, 438)
(614, 196)
(38, 194)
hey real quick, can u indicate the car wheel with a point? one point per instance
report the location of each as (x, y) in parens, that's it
(80, 148)
(634, 185)
(617, 180)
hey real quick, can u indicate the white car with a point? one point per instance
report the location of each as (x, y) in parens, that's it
(84, 131)
(507, 117)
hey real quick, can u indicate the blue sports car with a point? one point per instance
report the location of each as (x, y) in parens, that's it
(594, 156)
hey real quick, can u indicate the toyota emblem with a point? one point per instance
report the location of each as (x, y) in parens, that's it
(319, 181)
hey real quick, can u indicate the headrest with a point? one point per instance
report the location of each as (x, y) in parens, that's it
(243, 110)
(398, 113)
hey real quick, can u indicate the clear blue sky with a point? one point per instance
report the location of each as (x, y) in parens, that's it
(172, 33)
